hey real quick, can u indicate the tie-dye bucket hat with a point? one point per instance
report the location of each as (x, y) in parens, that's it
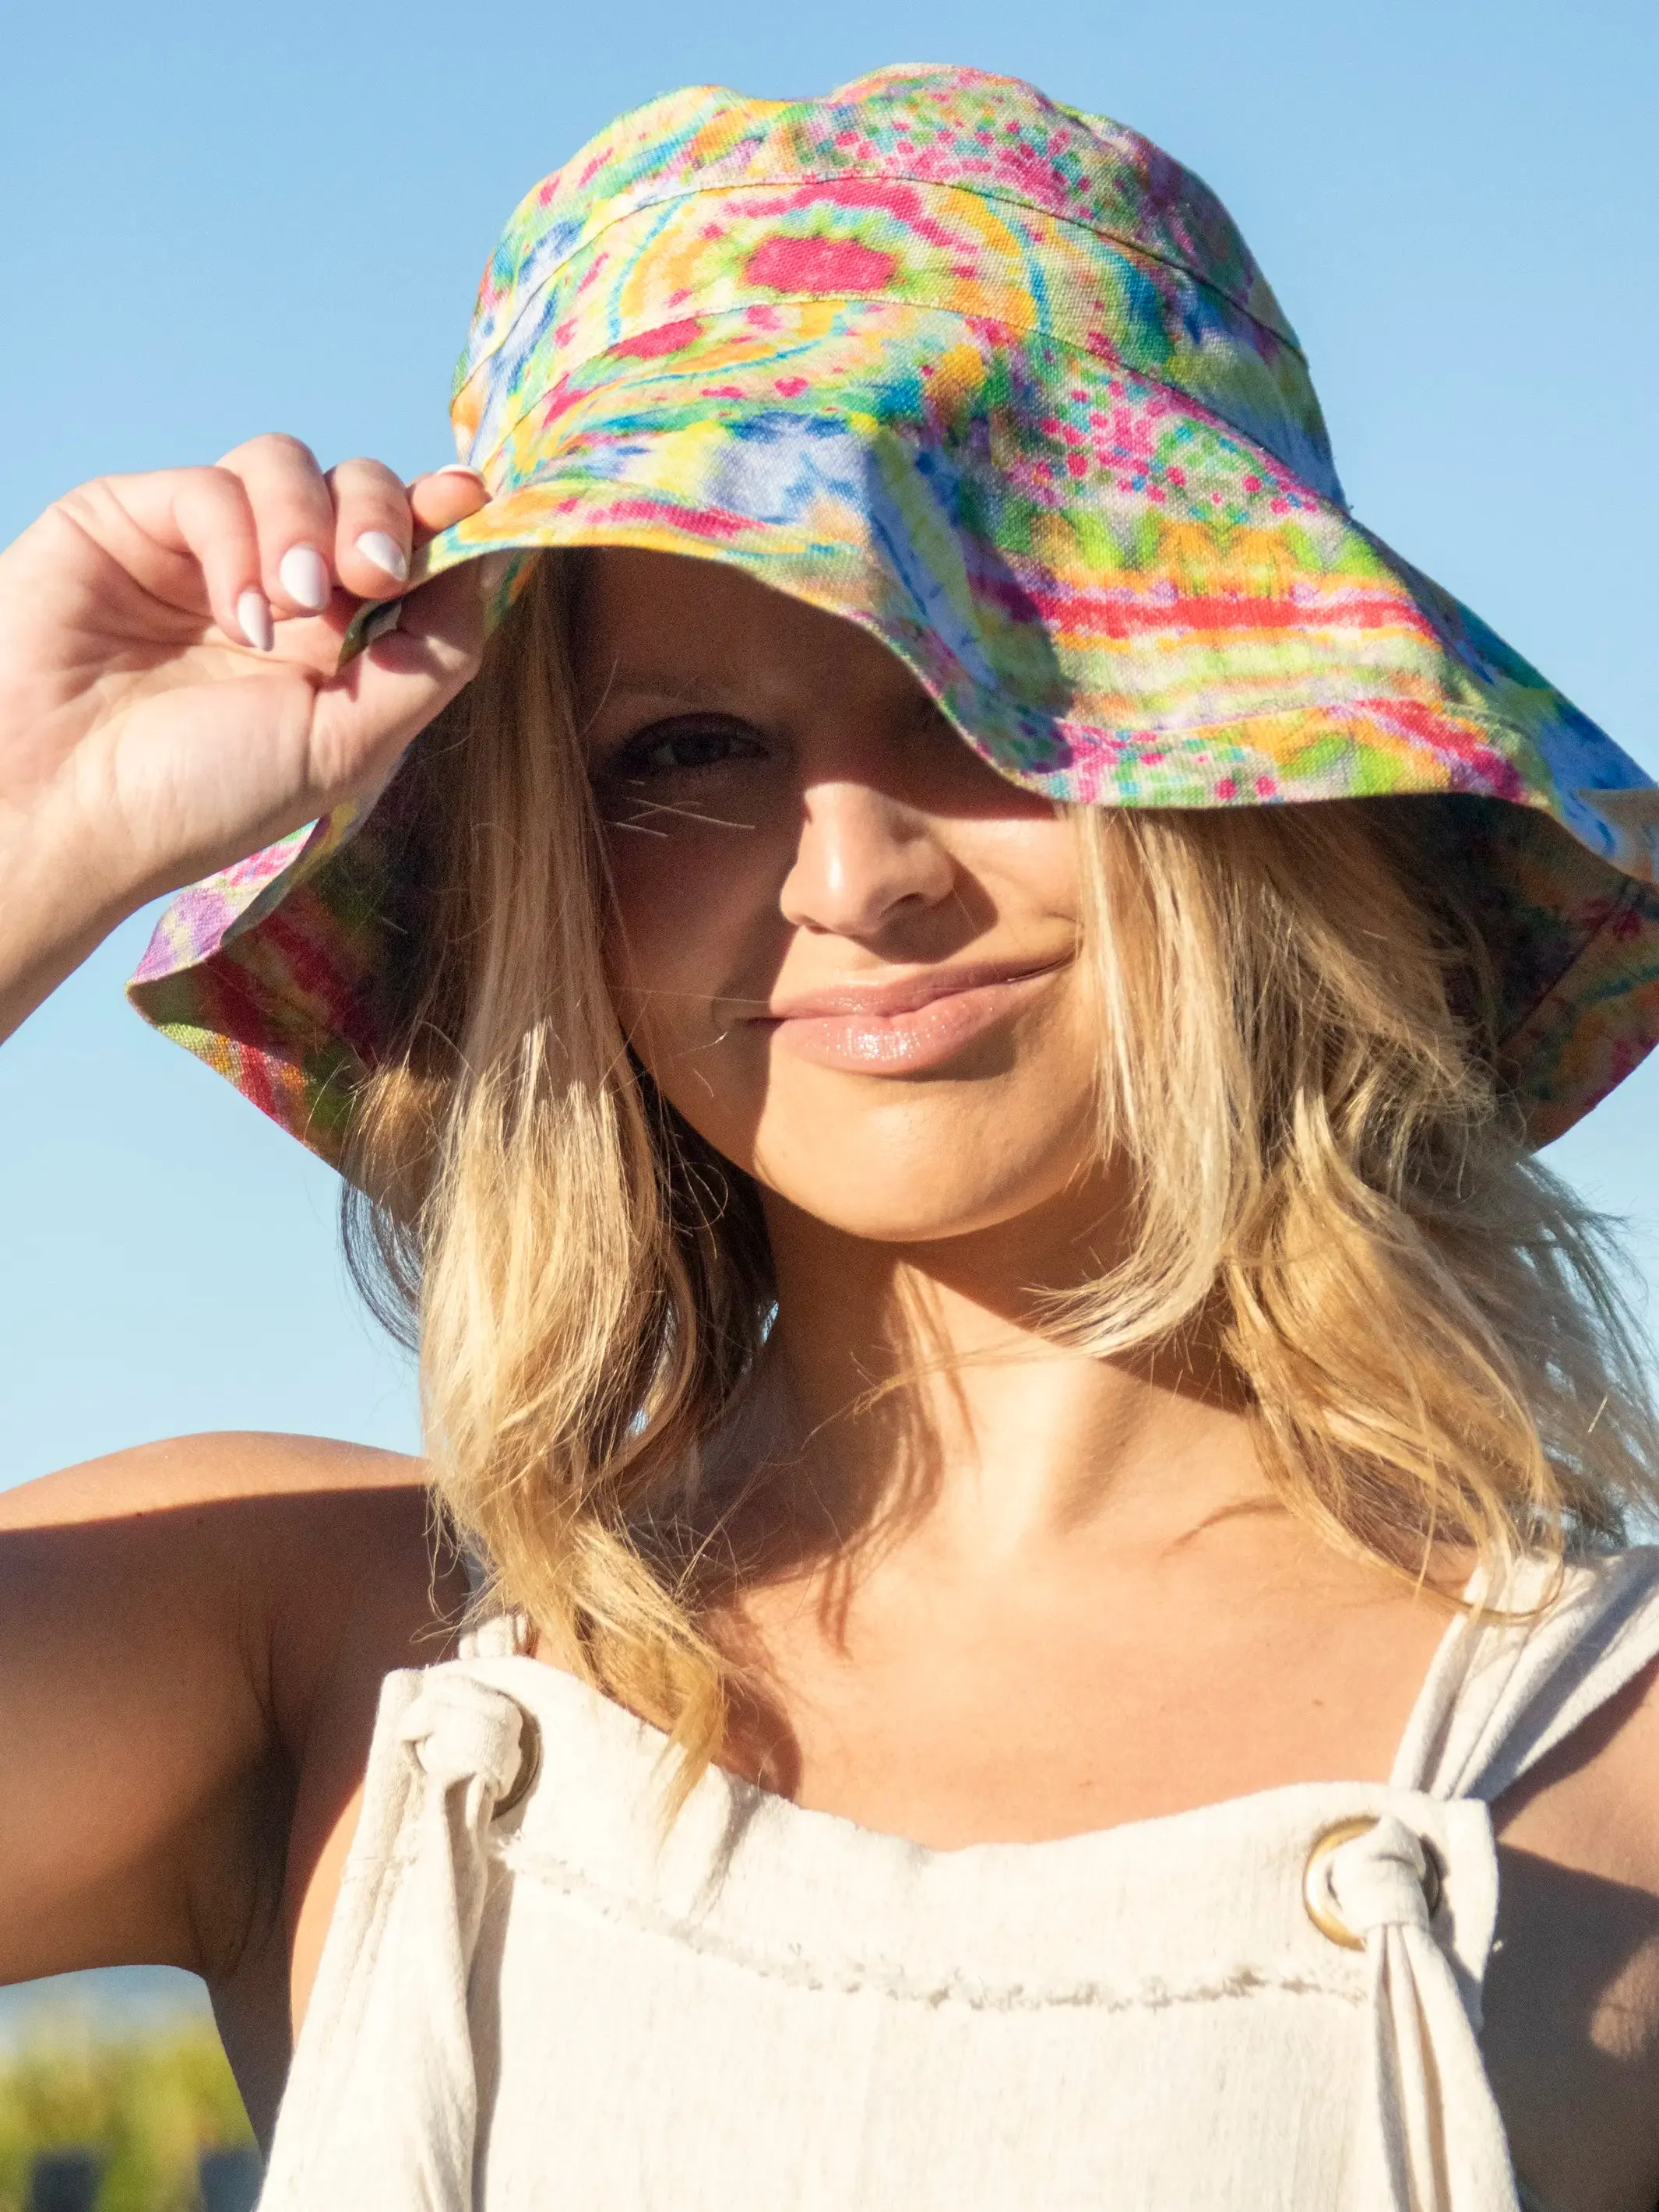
(1000, 382)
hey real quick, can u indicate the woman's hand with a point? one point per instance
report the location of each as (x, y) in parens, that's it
(168, 694)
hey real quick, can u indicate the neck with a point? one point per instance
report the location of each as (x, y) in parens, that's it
(914, 1387)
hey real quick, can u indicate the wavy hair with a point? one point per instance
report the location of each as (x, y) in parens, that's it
(1298, 1072)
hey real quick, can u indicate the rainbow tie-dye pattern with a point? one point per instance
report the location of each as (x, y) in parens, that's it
(1000, 382)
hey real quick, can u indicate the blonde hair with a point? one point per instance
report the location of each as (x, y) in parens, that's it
(1298, 1072)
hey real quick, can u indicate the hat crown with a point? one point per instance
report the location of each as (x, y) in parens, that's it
(983, 195)
(931, 124)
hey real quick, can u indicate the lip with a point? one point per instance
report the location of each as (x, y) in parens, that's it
(907, 1026)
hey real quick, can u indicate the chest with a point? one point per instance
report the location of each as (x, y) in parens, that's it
(1019, 1716)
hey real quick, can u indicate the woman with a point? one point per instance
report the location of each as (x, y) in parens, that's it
(1042, 1469)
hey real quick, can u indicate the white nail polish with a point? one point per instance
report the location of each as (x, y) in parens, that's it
(459, 469)
(303, 576)
(385, 554)
(253, 617)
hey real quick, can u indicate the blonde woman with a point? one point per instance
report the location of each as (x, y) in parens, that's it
(1022, 1594)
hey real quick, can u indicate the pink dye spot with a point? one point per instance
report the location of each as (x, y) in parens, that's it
(820, 264)
(1177, 477)
(1227, 788)
(667, 338)
(1280, 507)
(1265, 787)
(1076, 464)
(792, 387)
(1252, 484)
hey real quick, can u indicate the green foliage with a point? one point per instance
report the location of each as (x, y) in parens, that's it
(149, 2103)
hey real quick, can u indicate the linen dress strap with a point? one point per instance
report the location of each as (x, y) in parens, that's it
(1502, 1695)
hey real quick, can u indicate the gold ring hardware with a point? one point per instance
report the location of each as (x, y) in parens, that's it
(530, 1764)
(1315, 1891)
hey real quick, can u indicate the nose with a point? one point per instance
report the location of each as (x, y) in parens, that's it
(861, 857)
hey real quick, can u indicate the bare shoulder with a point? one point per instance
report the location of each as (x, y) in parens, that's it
(1571, 2034)
(311, 1553)
(187, 1472)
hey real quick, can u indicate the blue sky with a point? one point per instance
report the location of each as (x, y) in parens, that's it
(222, 221)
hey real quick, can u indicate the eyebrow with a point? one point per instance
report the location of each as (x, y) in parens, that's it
(682, 688)
(654, 684)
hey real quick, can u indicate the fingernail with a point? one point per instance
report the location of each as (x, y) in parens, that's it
(253, 616)
(303, 576)
(459, 469)
(385, 554)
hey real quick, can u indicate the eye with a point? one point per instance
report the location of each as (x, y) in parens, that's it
(683, 746)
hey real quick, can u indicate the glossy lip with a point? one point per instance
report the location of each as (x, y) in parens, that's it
(907, 1026)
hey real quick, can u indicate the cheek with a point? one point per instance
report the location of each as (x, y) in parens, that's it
(694, 928)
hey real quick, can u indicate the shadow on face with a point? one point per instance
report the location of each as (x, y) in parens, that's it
(844, 948)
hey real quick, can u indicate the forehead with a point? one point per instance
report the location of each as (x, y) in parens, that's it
(678, 627)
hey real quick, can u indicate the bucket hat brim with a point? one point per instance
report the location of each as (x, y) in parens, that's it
(1116, 596)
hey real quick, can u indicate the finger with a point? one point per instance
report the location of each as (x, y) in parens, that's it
(185, 535)
(373, 529)
(294, 515)
(446, 495)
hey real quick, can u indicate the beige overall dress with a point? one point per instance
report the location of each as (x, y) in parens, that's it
(530, 2002)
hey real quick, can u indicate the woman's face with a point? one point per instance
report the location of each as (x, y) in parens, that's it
(846, 950)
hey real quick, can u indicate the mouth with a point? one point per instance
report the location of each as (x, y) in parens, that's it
(908, 1026)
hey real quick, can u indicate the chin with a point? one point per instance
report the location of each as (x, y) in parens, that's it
(914, 1176)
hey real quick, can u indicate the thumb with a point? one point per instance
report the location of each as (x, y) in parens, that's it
(368, 713)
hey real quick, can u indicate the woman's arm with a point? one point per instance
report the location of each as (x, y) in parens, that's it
(193, 1635)
(183, 1628)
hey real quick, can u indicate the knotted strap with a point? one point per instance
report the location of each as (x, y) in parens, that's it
(468, 1740)
(384, 2083)
(1430, 2138)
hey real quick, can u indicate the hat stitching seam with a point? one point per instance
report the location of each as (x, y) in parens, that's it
(1209, 414)
(1130, 247)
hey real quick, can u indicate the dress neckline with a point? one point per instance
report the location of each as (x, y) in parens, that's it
(1466, 1641)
